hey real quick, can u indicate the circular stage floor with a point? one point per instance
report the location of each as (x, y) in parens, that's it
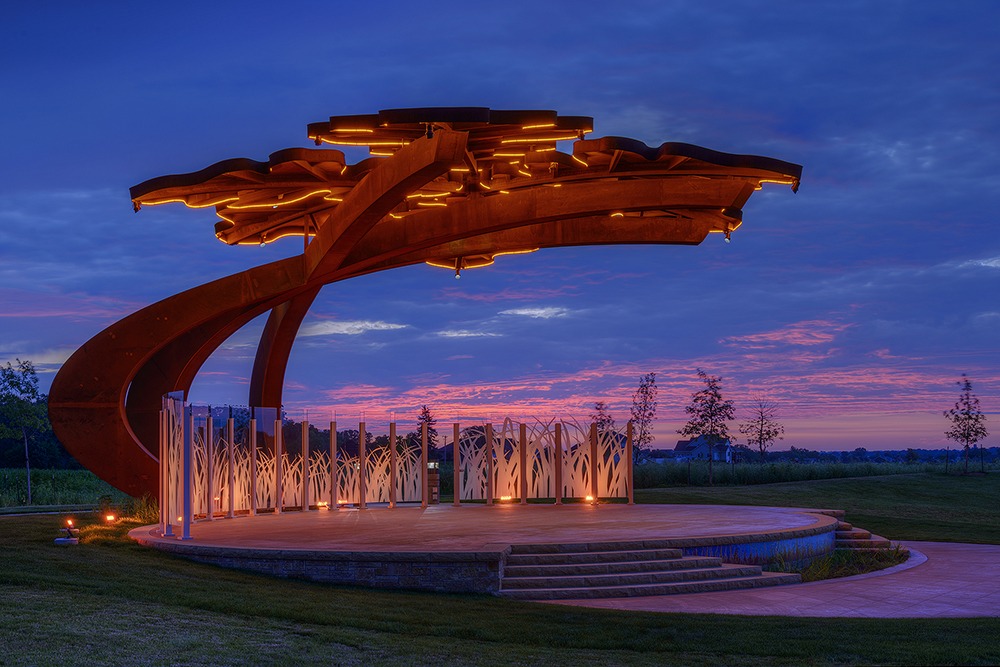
(478, 528)
(469, 548)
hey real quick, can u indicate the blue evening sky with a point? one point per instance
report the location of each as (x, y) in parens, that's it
(855, 304)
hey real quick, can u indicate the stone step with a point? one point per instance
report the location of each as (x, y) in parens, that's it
(570, 558)
(689, 562)
(843, 525)
(853, 534)
(579, 547)
(630, 579)
(705, 586)
(873, 542)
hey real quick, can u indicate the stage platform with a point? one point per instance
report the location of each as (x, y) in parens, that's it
(468, 548)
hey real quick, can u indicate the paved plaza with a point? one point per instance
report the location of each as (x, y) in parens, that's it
(940, 580)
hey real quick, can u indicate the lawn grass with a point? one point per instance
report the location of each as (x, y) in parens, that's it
(109, 601)
(922, 506)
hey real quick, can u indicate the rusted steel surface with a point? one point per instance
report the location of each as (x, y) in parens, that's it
(453, 186)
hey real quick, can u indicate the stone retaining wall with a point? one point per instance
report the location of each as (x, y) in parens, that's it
(470, 572)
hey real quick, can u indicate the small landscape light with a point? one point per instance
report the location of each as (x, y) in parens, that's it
(71, 535)
(110, 518)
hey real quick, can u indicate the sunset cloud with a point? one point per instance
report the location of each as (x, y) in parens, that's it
(812, 332)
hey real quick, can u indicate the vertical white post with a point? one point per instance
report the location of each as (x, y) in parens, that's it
(489, 463)
(209, 468)
(305, 461)
(424, 481)
(628, 464)
(392, 464)
(457, 473)
(231, 451)
(334, 478)
(164, 459)
(188, 474)
(593, 462)
(522, 447)
(253, 466)
(279, 467)
(363, 468)
(559, 464)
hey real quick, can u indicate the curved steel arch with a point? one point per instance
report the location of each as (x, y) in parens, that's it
(456, 188)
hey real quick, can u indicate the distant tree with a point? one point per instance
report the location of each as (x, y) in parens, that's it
(23, 410)
(968, 423)
(600, 416)
(427, 417)
(860, 454)
(643, 414)
(708, 414)
(911, 456)
(742, 454)
(349, 441)
(761, 426)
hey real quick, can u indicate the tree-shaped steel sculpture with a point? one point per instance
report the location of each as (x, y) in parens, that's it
(452, 187)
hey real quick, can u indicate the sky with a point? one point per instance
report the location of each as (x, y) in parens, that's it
(855, 305)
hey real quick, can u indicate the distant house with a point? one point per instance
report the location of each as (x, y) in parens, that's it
(698, 448)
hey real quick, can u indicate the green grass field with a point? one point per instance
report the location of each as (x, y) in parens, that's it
(922, 506)
(109, 601)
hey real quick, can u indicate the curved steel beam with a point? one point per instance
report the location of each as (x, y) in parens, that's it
(268, 377)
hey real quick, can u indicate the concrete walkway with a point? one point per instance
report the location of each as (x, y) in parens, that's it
(939, 580)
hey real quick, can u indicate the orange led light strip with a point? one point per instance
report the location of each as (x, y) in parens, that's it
(280, 202)
(341, 142)
(537, 140)
(214, 202)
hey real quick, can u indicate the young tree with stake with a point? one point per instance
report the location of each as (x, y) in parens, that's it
(761, 426)
(708, 414)
(643, 414)
(968, 423)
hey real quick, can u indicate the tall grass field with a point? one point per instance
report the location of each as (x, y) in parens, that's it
(55, 487)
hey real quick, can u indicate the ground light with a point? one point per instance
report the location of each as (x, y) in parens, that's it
(72, 535)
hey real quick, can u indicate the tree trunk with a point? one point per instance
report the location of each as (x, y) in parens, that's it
(982, 459)
(27, 461)
(966, 459)
(710, 467)
(947, 459)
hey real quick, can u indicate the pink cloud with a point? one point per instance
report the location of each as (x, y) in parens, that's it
(810, 332)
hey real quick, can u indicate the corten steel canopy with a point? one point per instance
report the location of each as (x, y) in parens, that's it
(452, 187)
